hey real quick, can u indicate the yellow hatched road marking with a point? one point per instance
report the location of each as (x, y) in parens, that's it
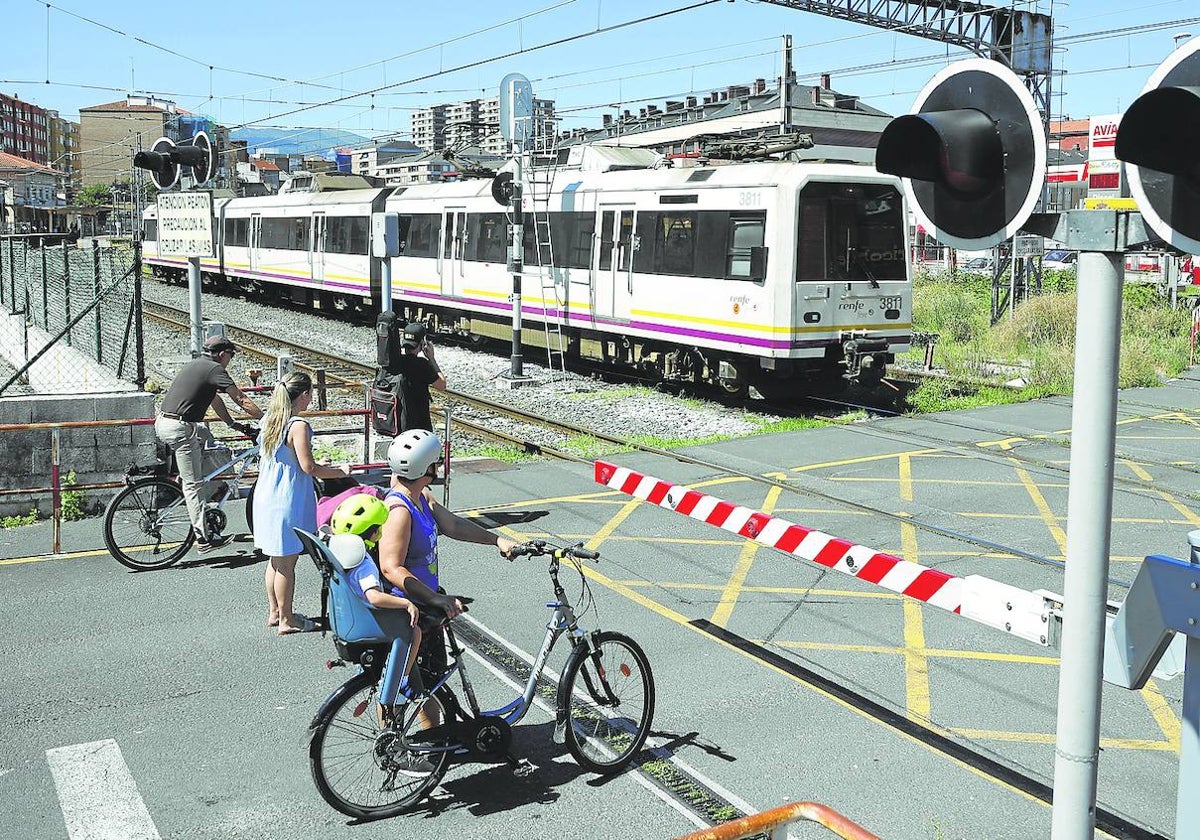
(733, 586)
(988, 656)
(1049, 738)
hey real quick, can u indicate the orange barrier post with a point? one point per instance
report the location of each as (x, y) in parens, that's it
(773, 823)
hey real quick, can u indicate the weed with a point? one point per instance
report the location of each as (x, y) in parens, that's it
(333, 454)
(18, 521)
(72, 501)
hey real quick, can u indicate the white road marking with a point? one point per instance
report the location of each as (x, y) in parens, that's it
(97, 793)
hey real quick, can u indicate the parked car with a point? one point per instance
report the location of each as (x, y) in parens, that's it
(1059, 260)
(980, 265)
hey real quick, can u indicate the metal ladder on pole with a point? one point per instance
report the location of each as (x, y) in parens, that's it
(541, 174)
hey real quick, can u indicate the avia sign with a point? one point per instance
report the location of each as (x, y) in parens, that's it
(1104, 137)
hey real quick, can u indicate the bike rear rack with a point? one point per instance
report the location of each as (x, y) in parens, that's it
(773, 823)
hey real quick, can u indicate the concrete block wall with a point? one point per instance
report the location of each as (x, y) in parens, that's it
(96, 454)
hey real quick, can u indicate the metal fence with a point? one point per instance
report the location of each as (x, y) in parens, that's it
(70, 315)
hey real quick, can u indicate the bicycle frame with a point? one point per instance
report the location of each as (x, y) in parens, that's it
(236, 466)
(563, 621)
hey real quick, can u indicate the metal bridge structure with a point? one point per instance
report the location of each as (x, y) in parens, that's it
(1020, 40)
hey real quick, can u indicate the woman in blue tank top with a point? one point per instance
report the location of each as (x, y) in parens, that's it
(408, 544)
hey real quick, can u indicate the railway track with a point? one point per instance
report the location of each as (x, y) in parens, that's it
(472, 413)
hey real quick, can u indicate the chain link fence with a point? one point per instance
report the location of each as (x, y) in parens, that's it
(70, 316)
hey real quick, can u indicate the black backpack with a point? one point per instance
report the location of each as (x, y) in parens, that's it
(388, 326)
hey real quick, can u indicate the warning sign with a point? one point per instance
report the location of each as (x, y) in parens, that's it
(185, 224)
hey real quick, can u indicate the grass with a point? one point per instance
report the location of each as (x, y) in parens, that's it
(1037, 343)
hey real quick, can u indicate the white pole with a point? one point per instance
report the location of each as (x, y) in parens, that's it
(1089, 517)
(194, 306)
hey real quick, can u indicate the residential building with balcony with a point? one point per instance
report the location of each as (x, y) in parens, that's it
(31, 196)
(24, 130)
(64, 152)
(429, 128)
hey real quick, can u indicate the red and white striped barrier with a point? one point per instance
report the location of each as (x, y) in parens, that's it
(1017, 611)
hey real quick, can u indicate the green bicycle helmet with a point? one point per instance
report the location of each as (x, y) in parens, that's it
(358, 515)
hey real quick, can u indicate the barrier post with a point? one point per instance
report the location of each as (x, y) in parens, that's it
(446, 458)
(321, 400)
(56, 491)
(67, 288)
(367, 424)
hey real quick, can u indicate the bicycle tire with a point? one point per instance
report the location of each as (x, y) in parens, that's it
(348, 759)
(146, 525)
(599, 739)
(249, 510)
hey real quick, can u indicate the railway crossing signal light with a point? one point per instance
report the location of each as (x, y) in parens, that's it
(165, 159)
(972, 154)
(502, 188)
(1158, 138)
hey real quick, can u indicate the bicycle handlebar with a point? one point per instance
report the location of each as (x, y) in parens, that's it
(540, 548)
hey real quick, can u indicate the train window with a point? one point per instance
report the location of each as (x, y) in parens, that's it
(487, 239)
(571, 234)
(360, 234)
(274, 233)
(423, 235)
(675, 243)
(746, 232)
(150, 229)
(298, 235)
(850, 232)
(346, 234)
(237, 232)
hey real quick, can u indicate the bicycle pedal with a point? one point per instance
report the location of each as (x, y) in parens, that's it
(523, 767)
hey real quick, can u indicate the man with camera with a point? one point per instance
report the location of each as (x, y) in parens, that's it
(418, 372)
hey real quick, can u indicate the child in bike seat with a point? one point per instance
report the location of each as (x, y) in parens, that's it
(363, 515)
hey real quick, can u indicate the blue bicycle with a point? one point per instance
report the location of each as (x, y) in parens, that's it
(375, 754)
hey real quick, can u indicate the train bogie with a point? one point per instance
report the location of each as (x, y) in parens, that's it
(773, 275)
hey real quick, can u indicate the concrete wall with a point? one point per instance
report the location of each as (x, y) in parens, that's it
(96, 454)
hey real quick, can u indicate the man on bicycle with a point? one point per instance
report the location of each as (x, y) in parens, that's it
(180, 426)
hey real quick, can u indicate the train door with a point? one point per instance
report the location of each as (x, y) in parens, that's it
(454, 240)
(316, 253)
(254, 241)
(613, 262)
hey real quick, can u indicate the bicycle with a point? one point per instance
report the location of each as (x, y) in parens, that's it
(146, 525)
(362, 740)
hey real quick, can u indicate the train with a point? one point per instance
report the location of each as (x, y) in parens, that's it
(780, 275)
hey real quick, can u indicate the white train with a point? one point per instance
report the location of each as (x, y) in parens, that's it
(765, 274)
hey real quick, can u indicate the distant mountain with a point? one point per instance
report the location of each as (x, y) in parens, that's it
(311, 141)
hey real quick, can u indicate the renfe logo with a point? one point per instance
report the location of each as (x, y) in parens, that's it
(1104, 133)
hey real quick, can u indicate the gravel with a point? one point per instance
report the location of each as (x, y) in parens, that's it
(617, 409)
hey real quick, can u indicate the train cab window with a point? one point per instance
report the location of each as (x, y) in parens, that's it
(150, 230)
(850, 232)
(745, 234)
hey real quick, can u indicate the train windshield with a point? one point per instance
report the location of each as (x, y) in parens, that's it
(850, 232)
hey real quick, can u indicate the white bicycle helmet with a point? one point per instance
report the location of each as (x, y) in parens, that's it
(412, 452)
(348, 549)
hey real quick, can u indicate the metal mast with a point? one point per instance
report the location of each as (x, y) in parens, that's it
(1020, 40)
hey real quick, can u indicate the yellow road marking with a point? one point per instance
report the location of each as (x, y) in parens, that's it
(1162, 712)
(1188, 514)
(916, 666)
(1049, 738)
(988, 656)
(769, 590)
(71, 555)
(729, 595)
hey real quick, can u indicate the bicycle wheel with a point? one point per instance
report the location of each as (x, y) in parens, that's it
(358, 763)
(250, 510)
(607, 690)
(146, 525)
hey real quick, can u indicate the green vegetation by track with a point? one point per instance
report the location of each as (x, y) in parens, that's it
(1035, 345)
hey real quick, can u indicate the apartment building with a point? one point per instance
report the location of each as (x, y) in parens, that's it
(369, 160)
(429, 128)
(24, 130)
(64, 152)
(473, 122)
(110, 134)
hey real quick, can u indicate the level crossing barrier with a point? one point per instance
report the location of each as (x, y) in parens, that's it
(773, 823)
(1029, 615)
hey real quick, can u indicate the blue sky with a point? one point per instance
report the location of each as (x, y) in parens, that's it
(257, 50)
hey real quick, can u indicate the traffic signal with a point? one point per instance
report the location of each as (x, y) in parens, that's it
(972, 154)
(165, 158)
(1159, 137)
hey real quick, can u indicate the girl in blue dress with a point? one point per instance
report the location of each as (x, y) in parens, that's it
(285, 496)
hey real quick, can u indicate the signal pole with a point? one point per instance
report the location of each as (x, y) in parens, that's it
(517, 249)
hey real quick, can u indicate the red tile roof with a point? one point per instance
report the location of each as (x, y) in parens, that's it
(264, 165)
(8, 161)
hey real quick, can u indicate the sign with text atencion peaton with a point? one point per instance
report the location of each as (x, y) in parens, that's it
(185, 224)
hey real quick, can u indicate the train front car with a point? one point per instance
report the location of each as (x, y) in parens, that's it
(852, 295)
